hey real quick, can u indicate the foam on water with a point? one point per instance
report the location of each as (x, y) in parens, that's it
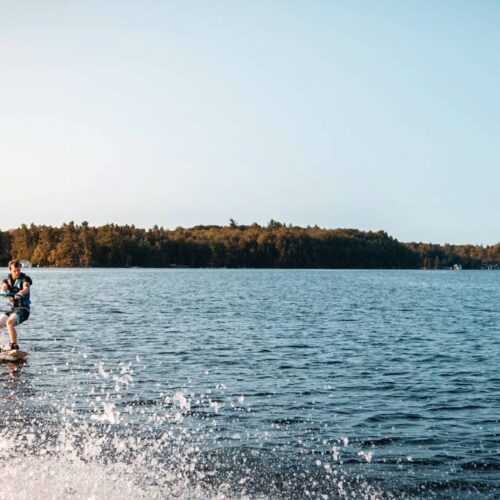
(101, 448)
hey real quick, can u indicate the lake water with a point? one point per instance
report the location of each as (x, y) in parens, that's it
(255, 384)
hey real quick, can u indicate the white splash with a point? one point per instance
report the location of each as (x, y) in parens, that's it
(215, 406)
(181, 401)
(109, 414)
(366, 455)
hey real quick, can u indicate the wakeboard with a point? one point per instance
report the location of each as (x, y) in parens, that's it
(13, 355)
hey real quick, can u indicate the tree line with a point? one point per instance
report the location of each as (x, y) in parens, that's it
(276, 245)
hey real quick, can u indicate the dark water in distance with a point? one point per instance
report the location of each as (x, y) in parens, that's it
(255, 383)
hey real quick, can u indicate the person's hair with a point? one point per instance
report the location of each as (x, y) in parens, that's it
(14, 263)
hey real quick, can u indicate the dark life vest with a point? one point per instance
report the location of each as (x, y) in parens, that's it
(15, 286)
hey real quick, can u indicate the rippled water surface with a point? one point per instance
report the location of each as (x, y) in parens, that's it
(255, 383)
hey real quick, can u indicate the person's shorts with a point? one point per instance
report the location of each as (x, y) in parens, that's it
(22, 314)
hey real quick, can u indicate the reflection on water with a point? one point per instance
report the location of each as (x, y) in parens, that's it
(11, 370)
(199, 383)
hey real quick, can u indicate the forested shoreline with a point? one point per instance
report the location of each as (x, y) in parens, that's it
(276, 245)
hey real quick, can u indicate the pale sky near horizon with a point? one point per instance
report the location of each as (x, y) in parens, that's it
(368, 114)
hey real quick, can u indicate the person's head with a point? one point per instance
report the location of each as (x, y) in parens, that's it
(15, 268)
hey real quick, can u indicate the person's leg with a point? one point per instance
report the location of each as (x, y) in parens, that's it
(3, 322)
(11, 328)
(17, 317)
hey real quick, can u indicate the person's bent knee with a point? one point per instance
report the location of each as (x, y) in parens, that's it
(12, 321)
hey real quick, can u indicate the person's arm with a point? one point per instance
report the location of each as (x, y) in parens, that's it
(5, 288)
(26, 288)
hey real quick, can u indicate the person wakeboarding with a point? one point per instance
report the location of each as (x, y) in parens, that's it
(19, 284)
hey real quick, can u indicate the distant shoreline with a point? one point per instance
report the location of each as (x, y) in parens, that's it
(275, 246)
(185, 268)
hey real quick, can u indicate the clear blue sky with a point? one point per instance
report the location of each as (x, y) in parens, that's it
(371, 115)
